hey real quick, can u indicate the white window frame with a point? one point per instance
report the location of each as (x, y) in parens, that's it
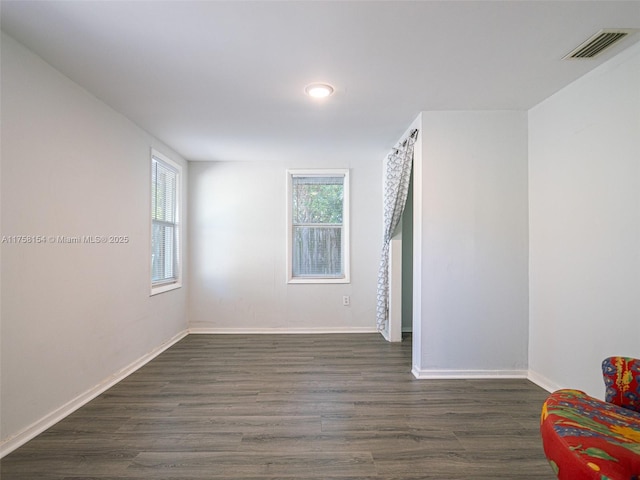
(345, 237)
(166, 285)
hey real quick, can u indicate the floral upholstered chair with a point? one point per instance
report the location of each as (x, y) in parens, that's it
(586, 438)
(622, 379)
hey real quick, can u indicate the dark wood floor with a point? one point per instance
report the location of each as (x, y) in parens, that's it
(312, 407)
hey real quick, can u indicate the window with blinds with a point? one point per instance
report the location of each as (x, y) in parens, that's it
(318, 226)
(165, 228)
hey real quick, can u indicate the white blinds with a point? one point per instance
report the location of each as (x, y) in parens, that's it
(164, 235)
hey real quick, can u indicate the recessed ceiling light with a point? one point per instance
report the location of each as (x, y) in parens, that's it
(319, 90)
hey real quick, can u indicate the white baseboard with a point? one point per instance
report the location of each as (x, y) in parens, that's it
(277, 331)
(543, 382)
(466, 374)
(36, 428)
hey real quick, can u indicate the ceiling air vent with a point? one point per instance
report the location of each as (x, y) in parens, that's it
(598, 43)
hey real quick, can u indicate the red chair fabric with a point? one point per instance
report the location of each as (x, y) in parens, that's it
(622, 381)
(588, 439)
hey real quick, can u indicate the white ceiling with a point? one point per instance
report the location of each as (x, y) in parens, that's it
(224, 80)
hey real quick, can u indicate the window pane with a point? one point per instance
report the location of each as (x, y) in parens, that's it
(164, 219)
(163, 200)
(318, 218)
(163, 251)
(317, 251)
(317, 199)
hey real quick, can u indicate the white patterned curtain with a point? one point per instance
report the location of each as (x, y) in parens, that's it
(397, 173)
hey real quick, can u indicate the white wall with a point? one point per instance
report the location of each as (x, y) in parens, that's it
(237, 241)
(470, 238)
(584, 171)
(73, 315)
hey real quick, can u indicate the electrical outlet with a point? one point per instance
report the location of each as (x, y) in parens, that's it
(346, 300)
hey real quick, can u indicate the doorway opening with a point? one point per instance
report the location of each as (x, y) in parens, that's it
(400, 325)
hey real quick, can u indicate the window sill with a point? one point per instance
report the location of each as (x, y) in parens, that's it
(165, 287)
(318, 280)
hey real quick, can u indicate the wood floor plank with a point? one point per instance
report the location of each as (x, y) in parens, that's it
(308, 407)
(334, 464)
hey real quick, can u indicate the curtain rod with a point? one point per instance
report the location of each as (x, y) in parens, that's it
(413, 135)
